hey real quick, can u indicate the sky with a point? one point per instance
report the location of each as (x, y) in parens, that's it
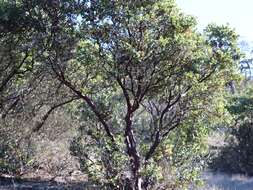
(238, 13)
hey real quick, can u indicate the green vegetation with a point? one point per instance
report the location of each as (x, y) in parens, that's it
(142, 85)
(239, 142)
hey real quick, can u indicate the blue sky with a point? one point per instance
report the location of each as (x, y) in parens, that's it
(238, 13)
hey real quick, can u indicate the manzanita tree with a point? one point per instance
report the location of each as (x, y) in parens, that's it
(148, 55)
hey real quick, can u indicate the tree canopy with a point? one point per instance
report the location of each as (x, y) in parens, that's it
(139, 69)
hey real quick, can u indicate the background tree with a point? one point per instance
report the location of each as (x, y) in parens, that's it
(29, 93)
(239, 136)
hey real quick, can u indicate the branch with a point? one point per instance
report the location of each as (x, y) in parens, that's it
(45, 117)
(11, 107)
(126, 95)
(153, 146)
(13, 72)
(90, 103)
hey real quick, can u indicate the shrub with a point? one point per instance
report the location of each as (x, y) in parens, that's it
(15, 157)
(237, 155)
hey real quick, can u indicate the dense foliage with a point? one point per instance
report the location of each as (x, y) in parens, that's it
(142, 83)
(239, 142)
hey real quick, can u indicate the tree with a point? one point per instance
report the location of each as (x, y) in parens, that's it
(27, 33)
(28, 91)
(150, 53)
(145, 53)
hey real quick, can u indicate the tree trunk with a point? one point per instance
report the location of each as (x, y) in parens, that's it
(136, 181)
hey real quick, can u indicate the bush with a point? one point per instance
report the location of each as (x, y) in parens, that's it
(14, 158)
(16, 150)
(176, 164)
(237, 155)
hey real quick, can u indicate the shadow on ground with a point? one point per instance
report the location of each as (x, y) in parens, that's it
(30, 184)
